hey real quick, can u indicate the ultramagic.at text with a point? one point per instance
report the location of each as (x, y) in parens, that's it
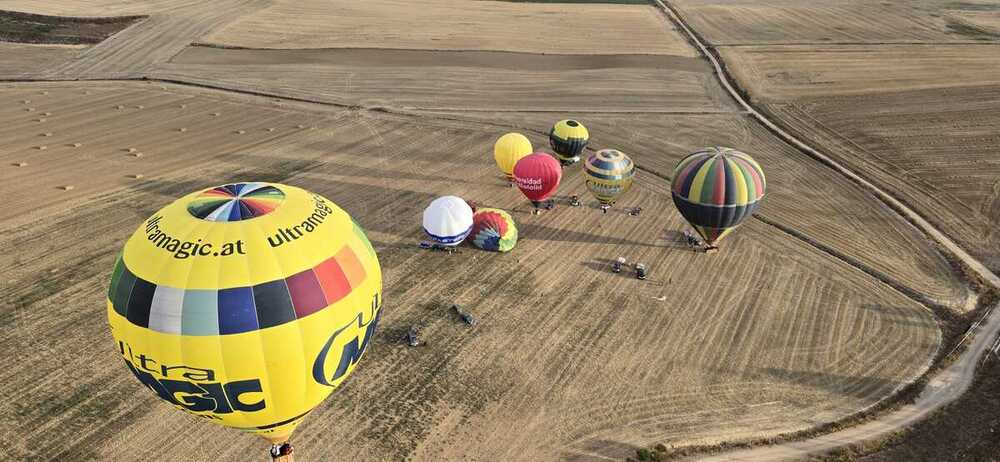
(308, 225)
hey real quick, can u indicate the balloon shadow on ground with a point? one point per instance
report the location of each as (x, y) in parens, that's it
(598, 449)
(675, 239)
(897, 315)
(603, 265)
(548, 233)
(861, 387)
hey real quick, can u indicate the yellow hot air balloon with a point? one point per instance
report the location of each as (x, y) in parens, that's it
(246, 304)
(509, 149)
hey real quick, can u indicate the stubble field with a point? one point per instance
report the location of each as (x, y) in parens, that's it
(569, 359)
(800, 320)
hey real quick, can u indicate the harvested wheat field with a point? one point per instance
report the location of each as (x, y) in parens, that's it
(918, 119)
(758, 22)
(436, 85)
(440, 67)
(743, 343)
(456, 25)
(25, 61)
(781, 73)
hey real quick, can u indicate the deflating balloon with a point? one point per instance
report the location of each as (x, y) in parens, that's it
(609, 174)
(493, 229)
(448, 220)
(246, 304)
(537, 176)
(509, 149)
(717, 188)
(568, 138)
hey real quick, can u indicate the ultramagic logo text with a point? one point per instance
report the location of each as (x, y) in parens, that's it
(192, 388)
(351, 352)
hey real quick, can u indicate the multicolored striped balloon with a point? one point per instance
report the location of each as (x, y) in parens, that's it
(609, 174)
(494, 230)
(717, 188)
(246, 304)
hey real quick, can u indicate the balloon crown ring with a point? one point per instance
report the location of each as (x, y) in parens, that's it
(236, 202)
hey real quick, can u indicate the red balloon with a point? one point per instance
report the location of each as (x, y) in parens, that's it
(537, 176)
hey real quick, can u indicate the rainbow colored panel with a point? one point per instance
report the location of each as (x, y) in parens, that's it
(235, 202)
(234, 310)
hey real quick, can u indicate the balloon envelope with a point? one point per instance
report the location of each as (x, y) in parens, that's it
(537, 176)
(717, 188)
(509, 149)
(609, 174)
(246, 304)
(493, 229)
(448, 220)
(568, 138)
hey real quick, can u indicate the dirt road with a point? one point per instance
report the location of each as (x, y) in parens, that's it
(943, 388)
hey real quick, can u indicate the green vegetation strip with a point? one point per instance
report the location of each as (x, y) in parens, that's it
(39, 29)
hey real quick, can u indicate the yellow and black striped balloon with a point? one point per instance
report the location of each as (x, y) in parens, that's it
(568, 138)
(246, 304)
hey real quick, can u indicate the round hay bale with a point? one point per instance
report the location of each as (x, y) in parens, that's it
(45, 92)
(300, 126)
(136, 176)
(136, 154)
(140, 107)
(240, 132)
(184, 106)
(182, 129)
(27, 101)
(41, 148)
(215, 114)
(130, 150)
(20, 164)
(46, 134)
(39, 120)
(270, 129)
(46, 114)
(29, 109)
(67, 187)
(76, 145)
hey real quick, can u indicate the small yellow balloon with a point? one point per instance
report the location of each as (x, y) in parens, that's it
(509, 149)
(246, 304)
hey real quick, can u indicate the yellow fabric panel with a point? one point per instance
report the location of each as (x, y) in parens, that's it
(509, 149)
(742, 195)
(269, 263)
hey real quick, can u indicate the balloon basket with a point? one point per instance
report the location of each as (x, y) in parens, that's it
(711, 249)
(281, 452)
